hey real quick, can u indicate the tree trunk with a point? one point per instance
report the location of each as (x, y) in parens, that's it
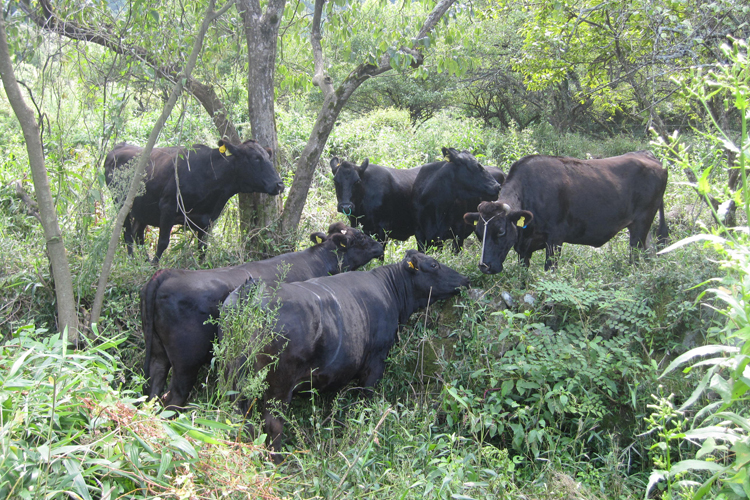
(261, 34)
(140, 167)
(67, 317)
(334, 102)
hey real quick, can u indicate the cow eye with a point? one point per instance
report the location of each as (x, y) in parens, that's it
(434, 265)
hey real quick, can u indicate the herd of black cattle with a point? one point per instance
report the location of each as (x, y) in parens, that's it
(334, 326)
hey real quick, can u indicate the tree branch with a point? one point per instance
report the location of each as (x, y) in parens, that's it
(107, 37)
(320, 78)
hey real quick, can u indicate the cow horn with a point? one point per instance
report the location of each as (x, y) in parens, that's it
(505, 207)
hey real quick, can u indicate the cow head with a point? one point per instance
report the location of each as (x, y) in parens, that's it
(347, 178)
(353, 247)
(503, 228)
(432, 280)
(470, 179)
(252, 166)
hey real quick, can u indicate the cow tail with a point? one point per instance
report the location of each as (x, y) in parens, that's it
(663, 232)
(148, 302)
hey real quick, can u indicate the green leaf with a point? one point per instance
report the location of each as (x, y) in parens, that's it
(166, 461)
(687, 465)
(698, 391)
(17, 364)
(714, 432)
(697, 352)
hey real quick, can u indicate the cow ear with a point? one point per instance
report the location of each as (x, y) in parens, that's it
(337, 227)
(335, 162)
(411, 262)
(340, 240)
(318, 238)
(226, 148)
(471, 218)
(522, 218)
(449, 154)
(269, 151)
(364, 165)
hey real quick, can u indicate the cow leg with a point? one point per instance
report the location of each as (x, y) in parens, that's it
(179, 387)
(552, 254)
(274, 409)
(202, 233)
(128, 234)
(638, 235)
(166, 222)
(157, 369)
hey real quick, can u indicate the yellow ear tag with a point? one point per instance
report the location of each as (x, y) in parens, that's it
(223, 149)
(521, 222)
(319, 239)
(343, 245)
(411, 264)
(447, 159)
(476, 222)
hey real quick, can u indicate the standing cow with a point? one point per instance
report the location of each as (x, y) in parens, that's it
(550, 200)
(377, 198)
(176, 303)
(207, 179)
(333, 330)
(380, 200)
(440, 188)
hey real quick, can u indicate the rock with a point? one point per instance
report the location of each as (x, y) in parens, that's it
(476, 294)
(508, 299)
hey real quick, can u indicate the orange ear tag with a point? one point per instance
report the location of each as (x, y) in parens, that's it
(521, 222)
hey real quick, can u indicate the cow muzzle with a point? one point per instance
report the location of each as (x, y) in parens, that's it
(278, 189)
(346, 208)
(487, 268)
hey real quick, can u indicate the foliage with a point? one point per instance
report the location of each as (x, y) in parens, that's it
(615, 54)
(247, 328)
(67, 432)
(722, 424)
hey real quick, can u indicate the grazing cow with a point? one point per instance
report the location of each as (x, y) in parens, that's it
(438, 191)
(549, 200)
(333, 330)
(207, 179)
(378, 198)
(176, 303)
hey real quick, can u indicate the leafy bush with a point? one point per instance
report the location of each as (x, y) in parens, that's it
(67, 433)
(721, 467)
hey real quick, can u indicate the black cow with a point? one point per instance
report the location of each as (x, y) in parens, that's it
(550, 200)
(460, 228)
(380, 199)
(207, 179)
(176, 303)
(377, 198)
(438, 193)
(333, 330)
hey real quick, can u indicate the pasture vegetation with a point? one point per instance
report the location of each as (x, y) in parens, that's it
(531, 384)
